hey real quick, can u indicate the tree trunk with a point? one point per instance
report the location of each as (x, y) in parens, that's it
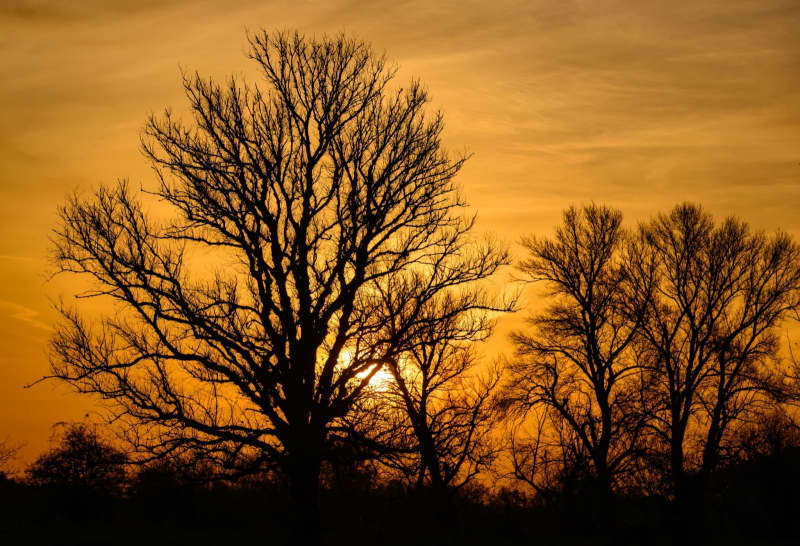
(304, 471)
(713, 441)
(444, 508)
(678, 475)
(682, 529)
(601, 517)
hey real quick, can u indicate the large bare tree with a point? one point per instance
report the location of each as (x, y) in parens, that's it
(288, 203)
(578, 370)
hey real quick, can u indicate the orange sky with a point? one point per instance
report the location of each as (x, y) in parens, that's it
(638, 104)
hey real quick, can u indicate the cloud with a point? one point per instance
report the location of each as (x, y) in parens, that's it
(24, 314)
(560, 100)
(68, 9)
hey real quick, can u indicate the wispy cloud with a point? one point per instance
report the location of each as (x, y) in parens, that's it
(24, 314)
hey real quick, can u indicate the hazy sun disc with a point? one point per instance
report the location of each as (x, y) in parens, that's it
(382, 378)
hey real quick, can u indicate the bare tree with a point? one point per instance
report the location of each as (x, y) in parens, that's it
(578, 370)
(545, 453)
(308, 193)
(432, 418)
(710, 329)
(445, 402)
(448, 417)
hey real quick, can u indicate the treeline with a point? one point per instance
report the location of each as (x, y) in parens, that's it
(85, 491)
(310, 299)
(658, 367)
(658, 347)
(651, 393)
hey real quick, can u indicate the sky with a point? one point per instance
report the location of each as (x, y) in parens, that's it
(638, 104)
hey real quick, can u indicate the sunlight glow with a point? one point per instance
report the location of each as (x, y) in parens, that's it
(380, 381)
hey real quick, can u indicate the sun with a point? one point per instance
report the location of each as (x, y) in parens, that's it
(381, 380)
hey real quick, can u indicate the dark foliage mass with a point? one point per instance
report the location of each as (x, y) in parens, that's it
(80, 460)
(294, 352)
(167, 502)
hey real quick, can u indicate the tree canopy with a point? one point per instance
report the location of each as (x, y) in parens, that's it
(294, 204)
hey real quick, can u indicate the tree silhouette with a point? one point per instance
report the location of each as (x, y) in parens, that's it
(546, 455)
(710, 329)
(448, 419)
(80, 460)
(770, 434)
(436, 414)
(578, 370)
(430, 421)
(286, 206)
